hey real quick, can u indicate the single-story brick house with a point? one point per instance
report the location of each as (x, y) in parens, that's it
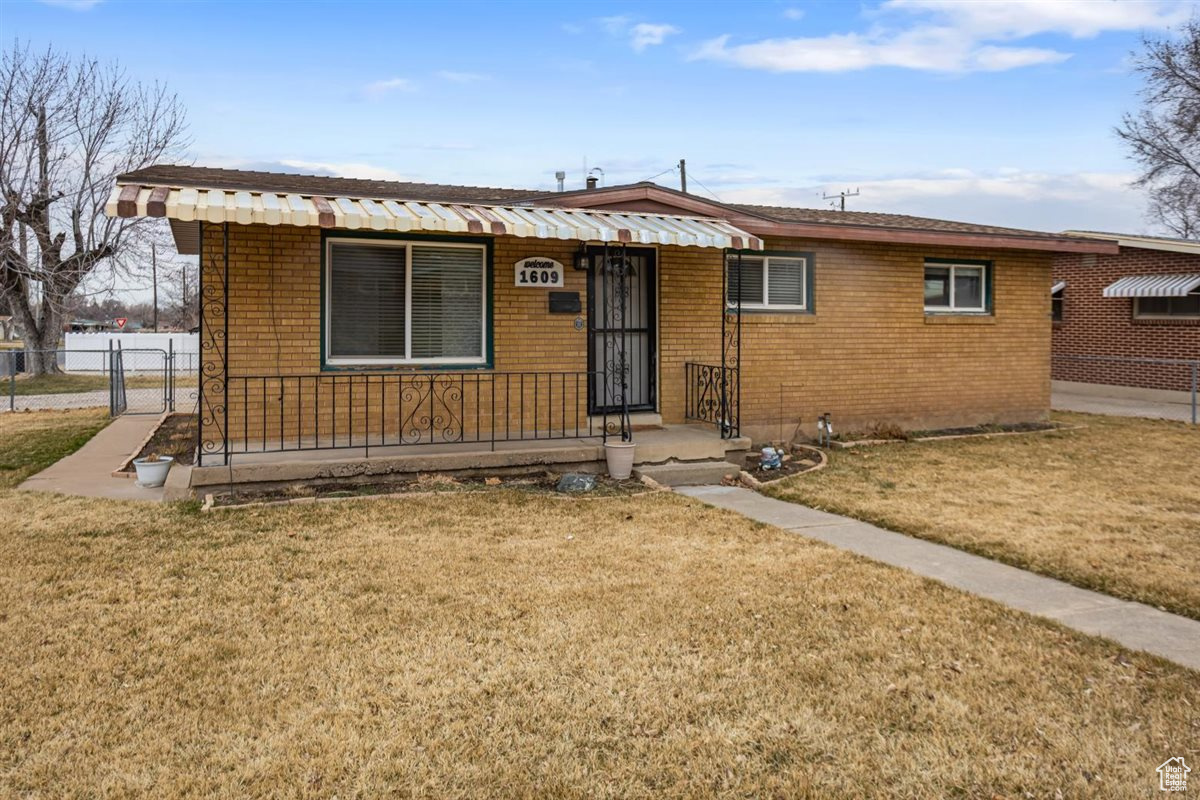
(1127, 318)
(374, 314)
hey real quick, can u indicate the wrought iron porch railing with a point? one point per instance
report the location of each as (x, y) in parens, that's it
(276, 413)
(711, 395)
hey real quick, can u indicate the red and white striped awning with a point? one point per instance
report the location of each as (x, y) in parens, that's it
(1153, 286)
(217, 205)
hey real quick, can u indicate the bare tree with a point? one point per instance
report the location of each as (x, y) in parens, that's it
(1164, 135)
(68, 127)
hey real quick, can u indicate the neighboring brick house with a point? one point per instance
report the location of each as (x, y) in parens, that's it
(343, 312)
(1142, 302)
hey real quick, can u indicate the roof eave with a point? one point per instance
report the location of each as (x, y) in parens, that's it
(874, 233)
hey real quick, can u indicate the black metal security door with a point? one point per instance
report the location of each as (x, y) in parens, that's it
(622, 332)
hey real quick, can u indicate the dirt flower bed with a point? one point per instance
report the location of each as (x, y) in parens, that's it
(539, 483)
(175, 437)
(894, 433)
(800, 459)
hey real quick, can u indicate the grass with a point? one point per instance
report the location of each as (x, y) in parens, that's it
(75, 383)
(30, 442)
(520, 645)
(1114, 506)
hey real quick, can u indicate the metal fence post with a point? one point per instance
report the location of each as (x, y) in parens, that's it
(1195, 370)
(112, 396)
(12, 380)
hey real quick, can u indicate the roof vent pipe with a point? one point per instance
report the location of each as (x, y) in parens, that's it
(591, 182)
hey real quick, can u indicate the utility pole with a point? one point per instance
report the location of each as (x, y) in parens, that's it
(154, 279)
(841, 196)
(683, 175)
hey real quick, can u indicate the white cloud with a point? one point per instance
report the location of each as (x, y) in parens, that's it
(930, 49)
(945, 36)
(645, 34)
(387, 86)
(340, 169)
(1077, 18)
(640, 35)
(461, 77)
(73, 5)
(1008, 197)
(793, 13)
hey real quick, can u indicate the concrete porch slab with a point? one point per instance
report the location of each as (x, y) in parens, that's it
(671, 443)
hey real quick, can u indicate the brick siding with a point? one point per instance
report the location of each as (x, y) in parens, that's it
(868, 355)
(1094, 325)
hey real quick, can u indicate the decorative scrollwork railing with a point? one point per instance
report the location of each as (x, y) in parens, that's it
(710, 395)
(326, 411)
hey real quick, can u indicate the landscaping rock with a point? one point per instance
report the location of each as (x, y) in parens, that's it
(573, 482)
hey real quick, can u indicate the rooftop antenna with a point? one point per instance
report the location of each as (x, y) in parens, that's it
(840, 197)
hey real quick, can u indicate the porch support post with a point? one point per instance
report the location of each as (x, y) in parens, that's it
(213, 400)
(731, 350)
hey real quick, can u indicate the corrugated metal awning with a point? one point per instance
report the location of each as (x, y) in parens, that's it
(1058, 287)
(193, 204)
(1153, 286)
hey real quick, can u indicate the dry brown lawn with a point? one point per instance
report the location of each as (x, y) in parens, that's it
(1114, 506)
(517, 645)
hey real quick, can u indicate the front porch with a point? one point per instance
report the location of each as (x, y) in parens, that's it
(669, 444)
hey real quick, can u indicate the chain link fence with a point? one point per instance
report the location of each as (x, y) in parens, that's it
(122, 380)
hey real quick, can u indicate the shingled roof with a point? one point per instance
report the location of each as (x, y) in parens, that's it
(826, 216)
(325, 186)
(825, 223)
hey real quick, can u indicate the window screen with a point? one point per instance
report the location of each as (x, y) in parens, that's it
(769, 282)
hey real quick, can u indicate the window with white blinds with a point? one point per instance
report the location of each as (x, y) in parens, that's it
(390, 302)
(769, 282)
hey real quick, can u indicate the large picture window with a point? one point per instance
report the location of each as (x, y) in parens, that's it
(961, 288)
(397, 302)
(774, 282)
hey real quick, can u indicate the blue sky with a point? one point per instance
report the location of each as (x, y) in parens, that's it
(991, 112)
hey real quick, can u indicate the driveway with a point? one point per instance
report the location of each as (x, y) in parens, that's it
(1092, 403)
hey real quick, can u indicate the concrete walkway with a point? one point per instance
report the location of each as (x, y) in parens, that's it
(1134, 625)
(87, 471)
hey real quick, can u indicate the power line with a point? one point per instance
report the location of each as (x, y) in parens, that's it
(705, 188)
(659, 175)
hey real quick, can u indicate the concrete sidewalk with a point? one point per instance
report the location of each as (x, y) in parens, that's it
(87, 471)
(1134, 625)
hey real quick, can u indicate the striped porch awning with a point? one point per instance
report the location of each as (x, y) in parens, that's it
(1153, 286)
(217, 205)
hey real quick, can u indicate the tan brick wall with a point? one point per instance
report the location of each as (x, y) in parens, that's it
(869, 354)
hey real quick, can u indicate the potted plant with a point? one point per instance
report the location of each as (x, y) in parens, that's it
(619, 457)
(152, 470)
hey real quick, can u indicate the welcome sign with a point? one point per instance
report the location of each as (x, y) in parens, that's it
(537, 272)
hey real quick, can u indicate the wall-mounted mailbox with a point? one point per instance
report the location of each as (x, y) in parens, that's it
(565, 303)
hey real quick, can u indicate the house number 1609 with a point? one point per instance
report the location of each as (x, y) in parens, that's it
(539, 272)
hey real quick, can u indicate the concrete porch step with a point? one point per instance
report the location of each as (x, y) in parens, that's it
(694, 473)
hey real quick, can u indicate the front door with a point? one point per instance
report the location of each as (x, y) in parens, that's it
(616, 314)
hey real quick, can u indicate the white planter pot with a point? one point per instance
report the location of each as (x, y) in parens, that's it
(152, 473)
(619, 456)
